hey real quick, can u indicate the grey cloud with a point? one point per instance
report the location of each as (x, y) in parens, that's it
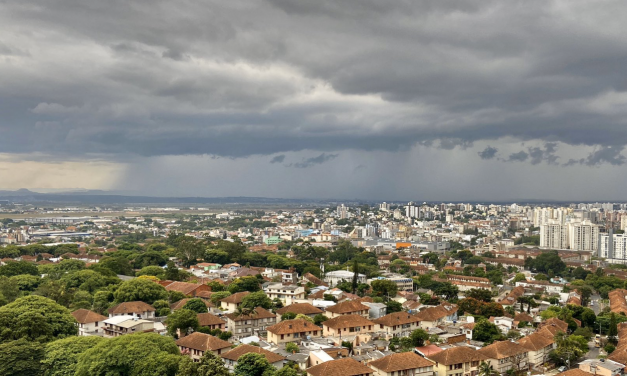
(607, 154)
(158, 78)
(488, 153)
(309, 162)
(278, 159)
(521, 156)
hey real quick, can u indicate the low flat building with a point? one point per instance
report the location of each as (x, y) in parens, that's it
(286, 293)
(126, 324)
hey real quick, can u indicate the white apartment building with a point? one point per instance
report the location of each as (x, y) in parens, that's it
(578, 236)
(554, 236)
(613, 246)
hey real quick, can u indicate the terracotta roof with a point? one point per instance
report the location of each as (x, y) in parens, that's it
(261, 313)
(203, 342)
(182, 302)
(84, 316)
(131, 307)
(184, 287)
(574, 372)
(397, 318)
(513, 295)
(293, 326)
(339, 367)
(204, 294)
(523, 317)
(206, 319)
(618, 303)
(315, 280)
(400, 362)
(235, 298)
(347, 321)
(429, 350)
(304, 308)
(460, 354)
(536, 341)
(437, 312)
(554, 322)
(502, 349)
(348, 307)
(246, 349)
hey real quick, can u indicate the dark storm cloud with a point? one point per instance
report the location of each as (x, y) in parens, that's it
(488, 153)
(309, 162)
(606, 154)
(242, 78)
(278, 159)
(521, 156)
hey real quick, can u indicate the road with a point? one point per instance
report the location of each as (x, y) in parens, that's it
(598, 304)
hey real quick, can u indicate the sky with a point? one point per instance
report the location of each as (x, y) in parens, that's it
(358, 99)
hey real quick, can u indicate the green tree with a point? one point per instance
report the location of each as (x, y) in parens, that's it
(588, 318)
(249, 283)
(209, 365)
(485, 331)
(162, 308)
(138, 289)
(612, 334)
(479, 294)
(17, 268)
(319, 319)
(393, 306)
(26, 282)
(291, 347)
(286, 370)
(384, 288)
(256, 299)
(182, 320)
(21, 358)
(156, 271)
(486, 369)
(355, 276)
(418, 337)
(142, 354)
(447, 290)
(35, 318)
(197, 305)
(61, 356)
(217, 296)
(253, 364)
(189, 250)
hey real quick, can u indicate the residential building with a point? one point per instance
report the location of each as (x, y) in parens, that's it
(136, 309)
(348, 307)
(292, 331)
(299, 308)
(195, 345)
(231, 357)
(125, 324)
(398, 324)
(288, 294)
(247, 325)
(434, 316)
(401, 364)
(340, 367)
(347, 325)
(210, 321)
(602, 367)
(613, 247)
(230, 303)
(539, 344)
(506, 355)
(338, 276)
(457, 361)
(88, 322)
(187, 289)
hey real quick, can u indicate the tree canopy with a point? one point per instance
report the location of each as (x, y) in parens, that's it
(138, 289)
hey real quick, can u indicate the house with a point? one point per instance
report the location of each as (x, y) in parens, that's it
(308, 277)
(513, 296)
(377, 310)
(340, 367)
(539, 345)
(407, 363)
(574, 372)
(347, 325)
(457, 361)
(231, 357)
(230, 303)
(299, 308)
(338, 276)
(246, 325)
(126, 324)
(135, 309)
(288, 294)
(348, 307)
(88, 321)
(195, 345)
(505, 324)
(187, 289)
(434, 316)
(602, 367)
(398, 324)
(506, 355)
(210, 321)
(292, 331)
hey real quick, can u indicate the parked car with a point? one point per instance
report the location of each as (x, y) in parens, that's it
(562, 369)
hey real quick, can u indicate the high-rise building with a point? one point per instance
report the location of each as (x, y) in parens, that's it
(583, 236)
(613, 246)
(554, 236)
(342, 212)
(412, 210)
(384, 206)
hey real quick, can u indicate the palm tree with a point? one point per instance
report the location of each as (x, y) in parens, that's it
(486, 369)
(245, 311)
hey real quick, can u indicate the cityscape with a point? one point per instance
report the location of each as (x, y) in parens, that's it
(313, 188)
